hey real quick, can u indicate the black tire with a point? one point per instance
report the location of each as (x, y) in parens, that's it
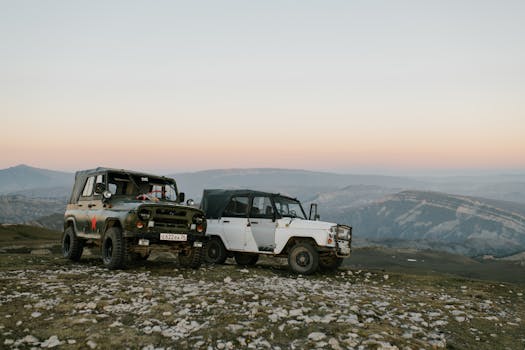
(114, 249)
(72, 246)
(246, 259)
(330, 262)
(192, 259)
(303, 258)
(214, 251)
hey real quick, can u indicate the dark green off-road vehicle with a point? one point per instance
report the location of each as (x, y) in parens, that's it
(127, 214)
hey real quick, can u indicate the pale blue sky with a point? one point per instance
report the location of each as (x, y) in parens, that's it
(333, 85)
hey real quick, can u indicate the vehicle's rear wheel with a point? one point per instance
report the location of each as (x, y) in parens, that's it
(246, 259)
(114, 249)
(72, 246)
(191, 258)
(303, 258)
(214, 251)
(330, 262)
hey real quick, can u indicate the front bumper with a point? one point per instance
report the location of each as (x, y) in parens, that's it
(343, 245)
(154, 238)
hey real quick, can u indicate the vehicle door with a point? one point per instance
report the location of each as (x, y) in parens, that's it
(234, 222)
(90, 207)
(262, 222)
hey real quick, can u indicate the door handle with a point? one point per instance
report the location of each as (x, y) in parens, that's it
(91, 205)
(226, 221)
(254, 222)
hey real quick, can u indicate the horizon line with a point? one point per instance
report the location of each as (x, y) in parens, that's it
(439, 173)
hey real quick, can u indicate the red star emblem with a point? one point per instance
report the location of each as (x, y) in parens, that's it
(93, 223)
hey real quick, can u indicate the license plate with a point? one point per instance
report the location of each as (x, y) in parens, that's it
(173, 237)
(197, 244)
(143, 241)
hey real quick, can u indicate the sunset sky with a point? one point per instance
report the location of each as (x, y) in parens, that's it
(349, 86)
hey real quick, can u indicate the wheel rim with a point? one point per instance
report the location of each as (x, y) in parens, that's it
(66, 246)
(303, 258)
(108, 249)
(213, 250)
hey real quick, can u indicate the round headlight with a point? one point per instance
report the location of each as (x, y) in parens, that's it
(144, 214)
(197, 219)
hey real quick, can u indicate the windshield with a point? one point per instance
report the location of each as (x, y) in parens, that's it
(289, 207)
(125, 184)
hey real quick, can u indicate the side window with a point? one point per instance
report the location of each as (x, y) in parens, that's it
(261, 208)
(237, 207)
(88, 188)
(117, 184)
(112, 188)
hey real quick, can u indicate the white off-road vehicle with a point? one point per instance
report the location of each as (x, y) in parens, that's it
(245, 224)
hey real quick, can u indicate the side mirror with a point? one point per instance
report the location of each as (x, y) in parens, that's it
(313, 212)
(190, 202)
(182, 196)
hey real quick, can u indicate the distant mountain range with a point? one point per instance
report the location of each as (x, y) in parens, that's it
(306, 185)
(431, 220)
(384, 210)
(15, 209)
(23, 177)
(301, 183)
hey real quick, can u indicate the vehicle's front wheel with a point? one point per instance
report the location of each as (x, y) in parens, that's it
(191, 258)
(114, 249)
(246, 259)
(303, 258)
(330, 262)
(214, 251)
(72, 246)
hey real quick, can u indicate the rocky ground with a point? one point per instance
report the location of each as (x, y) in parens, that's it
(48, 302)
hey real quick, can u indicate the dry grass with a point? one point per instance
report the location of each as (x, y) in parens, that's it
(158, 304)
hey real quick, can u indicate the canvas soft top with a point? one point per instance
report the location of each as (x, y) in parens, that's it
(214, 201)
(82, 175)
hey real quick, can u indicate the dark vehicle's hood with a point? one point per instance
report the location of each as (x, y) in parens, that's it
(129, 204)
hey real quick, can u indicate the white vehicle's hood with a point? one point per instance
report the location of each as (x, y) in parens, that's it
(301, 224)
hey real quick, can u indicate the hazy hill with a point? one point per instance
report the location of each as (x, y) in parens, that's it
(19, 209)
(414, 218)
(23, 177)
(341, 200)
(59, 192)
(454, 223)
(302, 183)
(306, 185)
(500, 187)
(53, 221)
(16, 234)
